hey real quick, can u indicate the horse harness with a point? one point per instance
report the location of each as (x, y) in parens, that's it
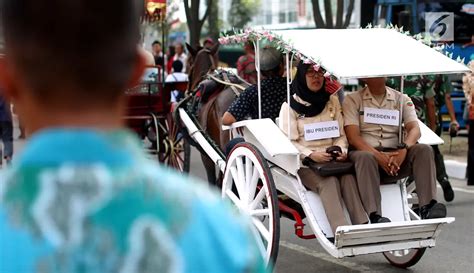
(236, 88)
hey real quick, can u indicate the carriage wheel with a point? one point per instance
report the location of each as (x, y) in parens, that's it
(174, 150)
(404, 258)
(407, 257)
(248, 183)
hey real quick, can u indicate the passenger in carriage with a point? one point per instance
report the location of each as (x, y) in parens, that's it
(372, 120)
(273, 94)
(273, 91)
(312, 105)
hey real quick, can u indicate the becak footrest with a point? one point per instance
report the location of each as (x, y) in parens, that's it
(372, 238)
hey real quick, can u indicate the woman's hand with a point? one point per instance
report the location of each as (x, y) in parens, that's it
(320, 157)
(341, 157)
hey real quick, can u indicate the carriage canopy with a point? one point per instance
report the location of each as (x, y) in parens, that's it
(359, 53)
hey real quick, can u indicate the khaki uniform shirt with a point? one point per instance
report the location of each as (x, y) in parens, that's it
(332, 112)
(374, 134)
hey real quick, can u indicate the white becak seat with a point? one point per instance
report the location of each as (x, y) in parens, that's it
(271, 141)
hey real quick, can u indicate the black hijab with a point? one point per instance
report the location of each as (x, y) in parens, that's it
(299, 87)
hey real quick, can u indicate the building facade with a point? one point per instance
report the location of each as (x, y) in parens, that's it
(286, 14)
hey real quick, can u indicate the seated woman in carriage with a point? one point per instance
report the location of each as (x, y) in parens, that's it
(312, 104)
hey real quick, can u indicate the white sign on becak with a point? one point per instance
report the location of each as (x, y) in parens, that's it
(321, 130)
(381, 116)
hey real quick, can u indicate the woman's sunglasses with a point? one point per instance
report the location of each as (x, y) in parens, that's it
(313, 73)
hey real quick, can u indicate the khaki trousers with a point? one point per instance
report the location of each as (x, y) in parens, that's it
(333, 192)
(419, 162)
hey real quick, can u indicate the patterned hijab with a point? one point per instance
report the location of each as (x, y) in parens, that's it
(299, 87)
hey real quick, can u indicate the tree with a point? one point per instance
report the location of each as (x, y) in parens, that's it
(328, 22)
(213, 21)
(241, 12)
(195, 23)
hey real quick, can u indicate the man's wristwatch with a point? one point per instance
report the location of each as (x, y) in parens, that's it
(402, 145)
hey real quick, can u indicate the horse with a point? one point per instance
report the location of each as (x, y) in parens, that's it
(192, 53)
(217, 93)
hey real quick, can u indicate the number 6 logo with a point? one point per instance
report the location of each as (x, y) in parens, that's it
(440, 25)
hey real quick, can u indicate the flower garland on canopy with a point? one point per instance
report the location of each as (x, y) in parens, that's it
(275, 40)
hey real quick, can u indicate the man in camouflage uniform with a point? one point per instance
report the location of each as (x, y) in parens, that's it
(442, 89)
(422, 91)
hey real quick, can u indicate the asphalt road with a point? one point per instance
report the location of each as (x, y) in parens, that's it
(454, 251)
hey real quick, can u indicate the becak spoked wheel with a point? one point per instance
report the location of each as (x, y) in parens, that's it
(407, 257)
(404, 258)
(172, 147)
(248, 183)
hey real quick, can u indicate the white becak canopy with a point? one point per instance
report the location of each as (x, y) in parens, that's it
(365, 53)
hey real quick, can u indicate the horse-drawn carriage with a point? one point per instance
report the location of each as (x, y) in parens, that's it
(260, 175)
(149, 114)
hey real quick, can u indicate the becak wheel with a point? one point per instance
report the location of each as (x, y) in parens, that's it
(248, 183)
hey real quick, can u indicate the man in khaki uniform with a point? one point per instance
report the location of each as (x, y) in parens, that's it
(371, 121)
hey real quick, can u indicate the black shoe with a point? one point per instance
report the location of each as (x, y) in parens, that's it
(447, 190)
(377, 219)
(433, 210)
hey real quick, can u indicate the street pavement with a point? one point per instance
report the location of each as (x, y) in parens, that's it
(454, 251)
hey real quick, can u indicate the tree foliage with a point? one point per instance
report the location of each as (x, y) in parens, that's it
(241, 12)
(194, 21)
(213, 22)
(328, 22)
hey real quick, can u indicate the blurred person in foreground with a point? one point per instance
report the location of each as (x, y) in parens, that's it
(83, 196)
(6, 130)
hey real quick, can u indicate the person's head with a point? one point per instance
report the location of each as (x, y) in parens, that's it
(310, 86)
(177, 66)
(248, 48)
(208, 43)
(271, 62)
(314, 79)
(170, 51)
(156, 47)
(309, 79)
(68, 55)
(179, 48)
(379, 81)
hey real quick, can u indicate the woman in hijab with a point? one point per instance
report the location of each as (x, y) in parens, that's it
(317, 124)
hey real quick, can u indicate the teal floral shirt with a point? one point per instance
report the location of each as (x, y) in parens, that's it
(88, 201)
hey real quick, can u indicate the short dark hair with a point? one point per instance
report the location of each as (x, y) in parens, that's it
(156, 43)
(274, 72)
(177, 66)
(72, 48)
